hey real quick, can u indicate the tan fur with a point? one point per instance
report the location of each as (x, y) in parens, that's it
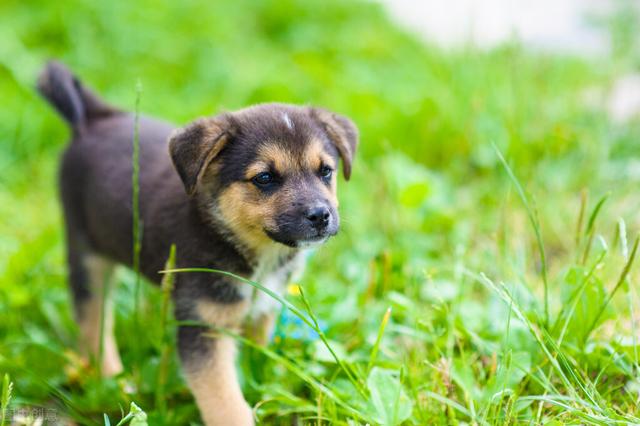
(312, 159)
(192, 164)
(216, 138)
(248, 213)
(244, 211)
(91, 312)
(256, 168)
(331, 193)
(214, 384)
(228, 316)
(315, 156)
(280, 157)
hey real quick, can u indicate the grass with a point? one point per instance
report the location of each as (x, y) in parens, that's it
(485, 270)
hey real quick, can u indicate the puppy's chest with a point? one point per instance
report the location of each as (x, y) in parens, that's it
(274, 271)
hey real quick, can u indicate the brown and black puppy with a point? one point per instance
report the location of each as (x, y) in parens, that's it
(243, 192)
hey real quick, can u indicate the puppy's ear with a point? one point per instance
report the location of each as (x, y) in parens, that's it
(342, 132)
(195, 146)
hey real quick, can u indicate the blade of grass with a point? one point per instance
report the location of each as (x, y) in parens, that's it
(585, 386)
(7, 387)
(284, 302)
(583, 208)
(533, 218)
(558, 402)
(135, 200)
(453, 404)
(348, 371)
(165, 348)
(621, 280)
(505, 363)
(559, 362)
(376, 346)
(535, 331)
(622, 232)
(591, 227)
(595, 212)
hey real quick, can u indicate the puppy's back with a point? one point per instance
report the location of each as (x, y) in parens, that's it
(96, 168)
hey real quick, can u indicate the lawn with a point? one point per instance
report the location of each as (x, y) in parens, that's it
(485, 269)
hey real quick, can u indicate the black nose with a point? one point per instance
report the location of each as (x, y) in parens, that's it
(318, 216)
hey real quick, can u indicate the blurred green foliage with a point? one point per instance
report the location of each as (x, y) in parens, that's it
(428, 209)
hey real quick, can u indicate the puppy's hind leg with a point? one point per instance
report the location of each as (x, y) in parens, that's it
(89, 276)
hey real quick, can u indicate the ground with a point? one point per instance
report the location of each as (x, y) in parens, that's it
(462, 289)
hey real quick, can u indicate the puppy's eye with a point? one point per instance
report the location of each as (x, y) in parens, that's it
(326, 172)
(264, 178)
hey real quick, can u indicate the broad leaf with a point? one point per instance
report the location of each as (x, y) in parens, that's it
(388, 404)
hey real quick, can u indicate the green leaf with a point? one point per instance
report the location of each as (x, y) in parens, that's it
(7, 387)
(139, 416)
(136, 417)
(584, 295)
(389, 404)
(414, 194)
(322, 354)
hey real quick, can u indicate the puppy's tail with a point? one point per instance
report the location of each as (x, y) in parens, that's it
(73, 101)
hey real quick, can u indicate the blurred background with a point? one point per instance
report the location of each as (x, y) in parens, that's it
(439, 91)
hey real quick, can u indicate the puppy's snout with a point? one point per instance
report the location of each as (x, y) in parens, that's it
(318, 216)
(306, 223)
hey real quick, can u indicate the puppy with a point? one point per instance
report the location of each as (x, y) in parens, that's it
(243, 192)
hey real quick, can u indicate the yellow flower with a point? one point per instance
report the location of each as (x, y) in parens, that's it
(293, 289)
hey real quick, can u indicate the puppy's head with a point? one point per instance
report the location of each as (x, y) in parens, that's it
(268, 173)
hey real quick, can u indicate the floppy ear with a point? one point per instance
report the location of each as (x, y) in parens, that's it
(194, 146)
(342, 132)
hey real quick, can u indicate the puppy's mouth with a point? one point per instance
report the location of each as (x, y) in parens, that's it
(304, 242)
(313, 242)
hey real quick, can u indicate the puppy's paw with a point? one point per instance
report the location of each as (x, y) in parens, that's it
(237, 414)
(111, 364)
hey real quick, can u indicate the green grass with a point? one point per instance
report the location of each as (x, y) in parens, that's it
(484, 273)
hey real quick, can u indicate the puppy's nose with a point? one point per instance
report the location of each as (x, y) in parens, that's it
(318, 216)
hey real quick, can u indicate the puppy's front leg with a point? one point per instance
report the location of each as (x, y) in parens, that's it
(214, 385)
(209, 361)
